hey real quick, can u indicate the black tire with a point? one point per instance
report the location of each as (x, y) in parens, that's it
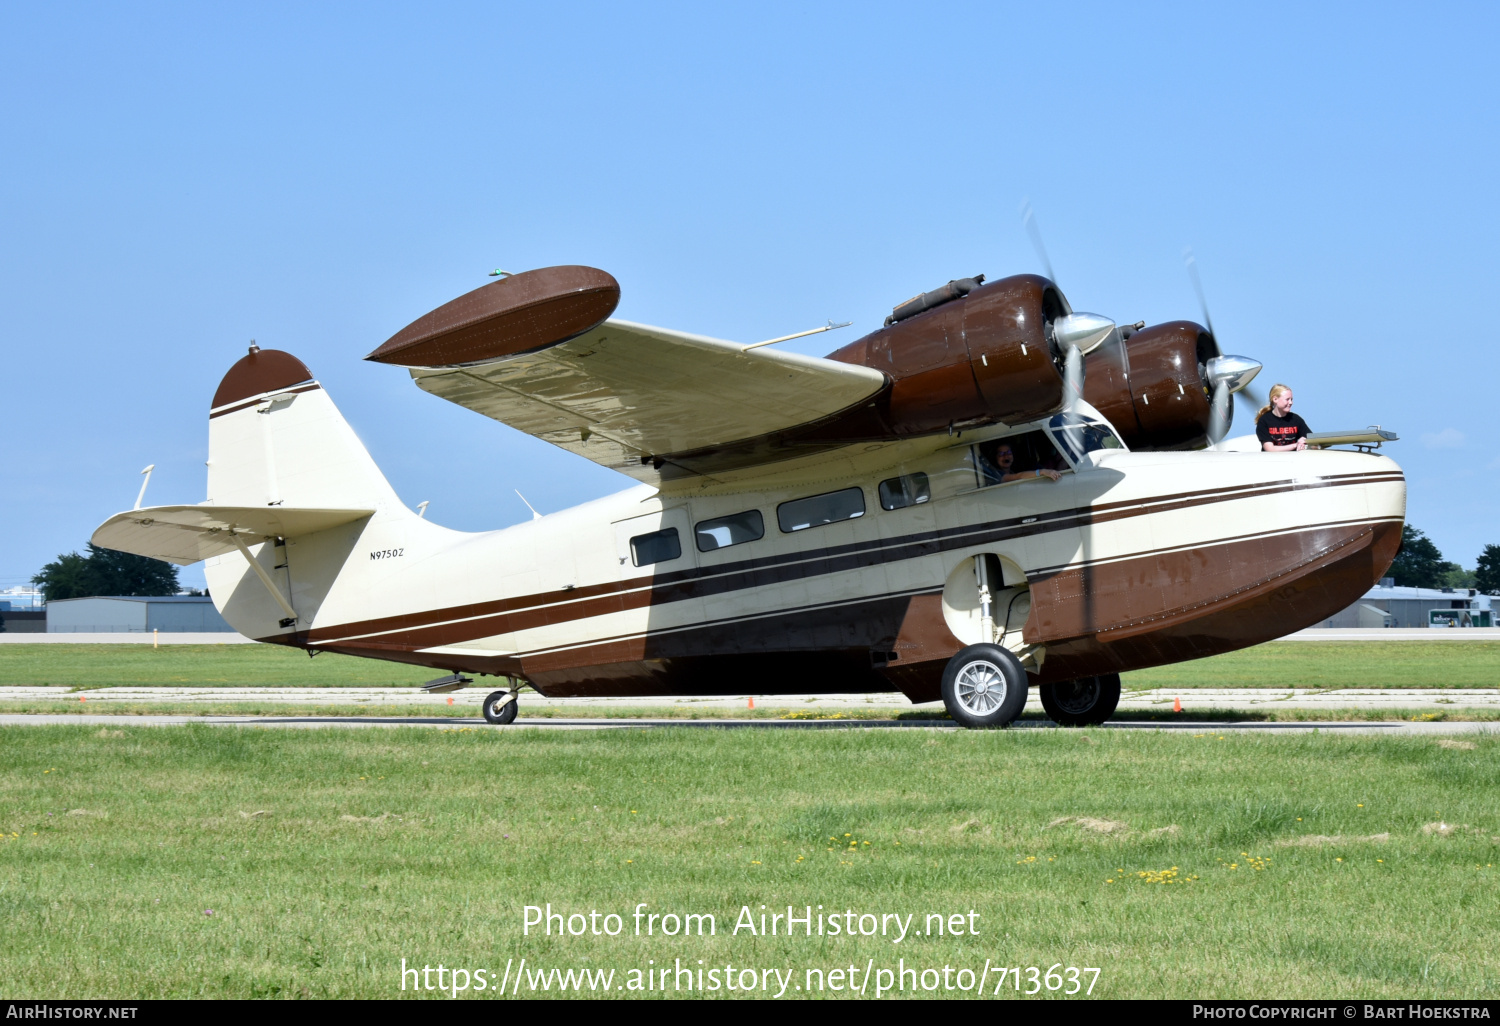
(497, 714)
(1085, 702)
(984, 686)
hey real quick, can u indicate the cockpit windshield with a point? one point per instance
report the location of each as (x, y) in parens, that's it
(1078, 434)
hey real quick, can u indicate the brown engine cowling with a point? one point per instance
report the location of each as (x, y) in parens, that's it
(1151, 386)
(981, 358)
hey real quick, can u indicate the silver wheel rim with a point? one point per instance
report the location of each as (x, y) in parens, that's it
(497, 708)
(980, 687)
(1077, 696)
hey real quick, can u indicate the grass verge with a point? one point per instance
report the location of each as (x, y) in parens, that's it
(667, 712)
(1317, 664)
(1181, 865)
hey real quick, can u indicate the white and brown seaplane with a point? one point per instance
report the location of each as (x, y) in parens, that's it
(990, 492)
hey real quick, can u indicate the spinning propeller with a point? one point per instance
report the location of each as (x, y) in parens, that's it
(1225, 375)
(1075, 334)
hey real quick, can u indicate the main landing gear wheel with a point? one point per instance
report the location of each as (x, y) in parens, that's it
(1085, 702)
(984, 686)
(500, 714)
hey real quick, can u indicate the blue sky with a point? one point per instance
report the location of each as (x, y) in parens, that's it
(177, 180)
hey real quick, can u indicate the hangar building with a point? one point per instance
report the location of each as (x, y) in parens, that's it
(120, 614)
(1386, 605)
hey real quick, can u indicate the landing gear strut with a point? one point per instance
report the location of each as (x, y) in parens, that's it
(500, 708)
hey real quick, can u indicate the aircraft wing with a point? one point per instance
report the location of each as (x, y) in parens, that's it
(186, 534)
(630, 396)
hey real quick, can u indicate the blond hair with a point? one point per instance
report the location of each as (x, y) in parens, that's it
(1276, 390)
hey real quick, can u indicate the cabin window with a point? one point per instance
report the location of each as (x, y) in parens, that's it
(722, 532)
(906, 490)
(817, 510)
(1029, 452)
(656, 547)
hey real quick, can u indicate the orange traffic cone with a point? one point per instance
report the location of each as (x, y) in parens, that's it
(450, 699)
(1177, 705)
(752, 701)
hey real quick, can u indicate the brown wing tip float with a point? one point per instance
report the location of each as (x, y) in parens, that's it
(518, 314)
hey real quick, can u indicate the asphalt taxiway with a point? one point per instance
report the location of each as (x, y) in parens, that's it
(1384, 727)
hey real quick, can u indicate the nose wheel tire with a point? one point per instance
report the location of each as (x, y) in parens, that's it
(498, 711)
(1085, 702)
(984, 686)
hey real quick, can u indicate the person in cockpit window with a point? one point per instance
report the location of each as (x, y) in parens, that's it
(1002, 459)
(1277, 427)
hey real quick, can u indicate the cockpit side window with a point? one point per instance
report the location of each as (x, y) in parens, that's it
(1015, 457)
(1077, 435)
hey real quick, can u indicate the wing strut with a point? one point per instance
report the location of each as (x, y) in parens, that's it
(265, 579)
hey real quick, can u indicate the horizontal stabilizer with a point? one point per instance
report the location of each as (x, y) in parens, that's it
(186, 534)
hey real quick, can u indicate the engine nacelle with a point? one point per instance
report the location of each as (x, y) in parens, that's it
(1151, 386)
(984, 357)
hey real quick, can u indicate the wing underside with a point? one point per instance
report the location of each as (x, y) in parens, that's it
(630, 397)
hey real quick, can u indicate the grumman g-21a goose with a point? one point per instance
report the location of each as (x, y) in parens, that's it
(989, 493)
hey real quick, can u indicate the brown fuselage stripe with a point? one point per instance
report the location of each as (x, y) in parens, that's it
(463, 623)
(904, 594)
(312, 387)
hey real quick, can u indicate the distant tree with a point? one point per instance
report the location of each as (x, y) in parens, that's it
(1418, 562)
(123, 573)
(64, 578)
(1455, 576)
(105, 572)
(1487, 570)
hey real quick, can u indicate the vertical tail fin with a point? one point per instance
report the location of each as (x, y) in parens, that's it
(275, 438)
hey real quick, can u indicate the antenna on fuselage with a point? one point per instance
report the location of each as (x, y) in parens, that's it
(142, 496)
(534, 514)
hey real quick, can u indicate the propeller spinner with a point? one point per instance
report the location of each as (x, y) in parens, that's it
(1226, 375)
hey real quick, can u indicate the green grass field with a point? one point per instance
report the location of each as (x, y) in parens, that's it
(1333, 664)
(1292, 866)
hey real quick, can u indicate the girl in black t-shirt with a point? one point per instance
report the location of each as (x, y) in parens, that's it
(1277, 427)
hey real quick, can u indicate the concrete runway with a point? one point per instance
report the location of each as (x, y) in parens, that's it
(1388, 727)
